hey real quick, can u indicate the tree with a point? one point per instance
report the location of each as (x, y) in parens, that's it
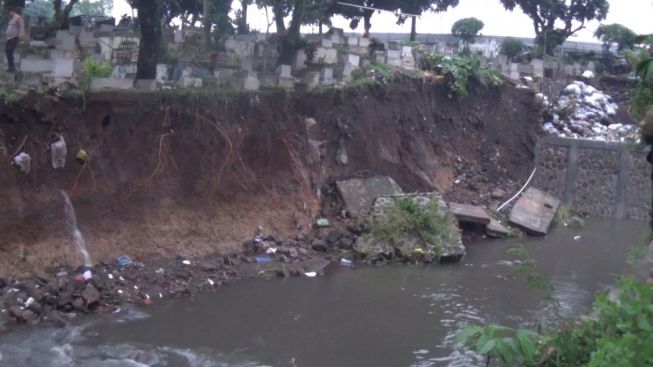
(62, 13)
(6, 4)
(511, 47)
(467, 30)
(610, 34)
(571, 14)
(150, 13)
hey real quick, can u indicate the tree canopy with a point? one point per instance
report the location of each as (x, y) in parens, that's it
(467, 29)
(556, 20)
(511, 47)
(610, 34)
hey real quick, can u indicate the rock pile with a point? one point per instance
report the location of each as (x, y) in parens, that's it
(584, 112)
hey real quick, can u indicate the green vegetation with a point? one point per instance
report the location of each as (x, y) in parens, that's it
(566, 217)
(94, 69)
(610, 34)
(372, 74)
(642, 99)
(511, 47)
(408, 219)
(617, 332)
(464, 68)
(8, 96)
(467, 29)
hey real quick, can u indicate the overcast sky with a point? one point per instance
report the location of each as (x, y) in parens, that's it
(635, 14)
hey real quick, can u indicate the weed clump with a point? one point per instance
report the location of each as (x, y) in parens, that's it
(464, 69)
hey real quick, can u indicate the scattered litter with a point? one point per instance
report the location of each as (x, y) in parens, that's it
(58, 152)
(119, 291)
(322, 222)
(110, 276)
(121, 278)
(87, 275)
(583, 112)
(23, 161)
(117, 310)
(311, 274)
(159, 271)
(124, 260)
(160, 295)
(211, 282)
(186, 262)
(345, 262)
(589, 74)
(82, 155)
(135, 287)
(263, 259)
(576, 238)
(30, 301)
(147, 301)
(271, 250)
(147, 296)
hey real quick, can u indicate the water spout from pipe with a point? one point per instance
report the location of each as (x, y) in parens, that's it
(71, 222)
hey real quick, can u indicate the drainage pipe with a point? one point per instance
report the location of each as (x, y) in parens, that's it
(520, 191)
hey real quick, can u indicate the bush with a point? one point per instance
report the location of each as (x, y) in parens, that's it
(94, 69)
(464, 68)
(511, 47)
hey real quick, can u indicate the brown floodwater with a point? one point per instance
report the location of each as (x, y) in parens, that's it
(362, 316)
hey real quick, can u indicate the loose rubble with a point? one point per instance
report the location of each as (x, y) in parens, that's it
(583, 112)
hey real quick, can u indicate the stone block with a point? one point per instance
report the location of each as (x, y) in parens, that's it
(32, 65)
(393, 54)
(300, 60)
(63, 68)
(269, 81)
(469, 213)
(190, 82)
(352, 41)
(100, 84)
(251, 83)
(326, 42)
(284, 71)
(161, 73)
(351, 59)
(395, 46)
(87, 39)
(65, 41)
(240, 47)
(535, 211)
(326, 75)
(364, 42)
(286, 83)
(406, 51)
(326, 55)
(312, 79)
(359, 194)
(146, 85)
(179, 36)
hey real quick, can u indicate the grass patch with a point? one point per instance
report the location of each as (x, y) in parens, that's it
(407, 219)
(463, 69)
(568, 218)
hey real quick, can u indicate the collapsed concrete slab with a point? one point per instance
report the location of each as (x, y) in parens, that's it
(535, 211)
(443, 242)
(469, 213)
(359, 194)
(495, 229)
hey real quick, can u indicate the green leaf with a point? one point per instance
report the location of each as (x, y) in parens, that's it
(489, 345)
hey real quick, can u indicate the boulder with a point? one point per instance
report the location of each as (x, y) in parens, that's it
(359, 194)
(496, 230)
(535, 211)
(91, 295)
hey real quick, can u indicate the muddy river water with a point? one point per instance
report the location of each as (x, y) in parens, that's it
(363, 316)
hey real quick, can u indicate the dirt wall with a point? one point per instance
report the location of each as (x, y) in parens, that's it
(196, 173)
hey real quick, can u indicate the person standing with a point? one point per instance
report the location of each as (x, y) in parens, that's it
(15, 33)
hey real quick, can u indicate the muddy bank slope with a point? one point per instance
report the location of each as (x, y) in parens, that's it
(196, 173)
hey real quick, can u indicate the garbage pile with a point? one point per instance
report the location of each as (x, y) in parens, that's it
(584, 112)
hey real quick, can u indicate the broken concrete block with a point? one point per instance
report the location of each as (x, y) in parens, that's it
(326, 55)
(352, 41)
(354, 60)
(34, 65)
(251, 83)
(364, 42)
(63, 68)
(284, 71)
(359, 194)
(469, 213)
(312, 79)
(190, 82)
(496, 230)
(98, 84)
(286, 83)
(326, 75)
(535, 211)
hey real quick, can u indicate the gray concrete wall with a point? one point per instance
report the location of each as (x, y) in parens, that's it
(604, 179)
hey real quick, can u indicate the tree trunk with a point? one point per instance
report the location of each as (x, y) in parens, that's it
(413, 29)
(243, 27)
(207, 23)
(367, 23)
(149, 15)
(319, 27)
(290, 38)
(61, 15)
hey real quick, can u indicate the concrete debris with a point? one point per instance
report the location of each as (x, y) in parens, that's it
(495, 229)
(583, 112)
(535, 211)
(469, 213)
(359, 194)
